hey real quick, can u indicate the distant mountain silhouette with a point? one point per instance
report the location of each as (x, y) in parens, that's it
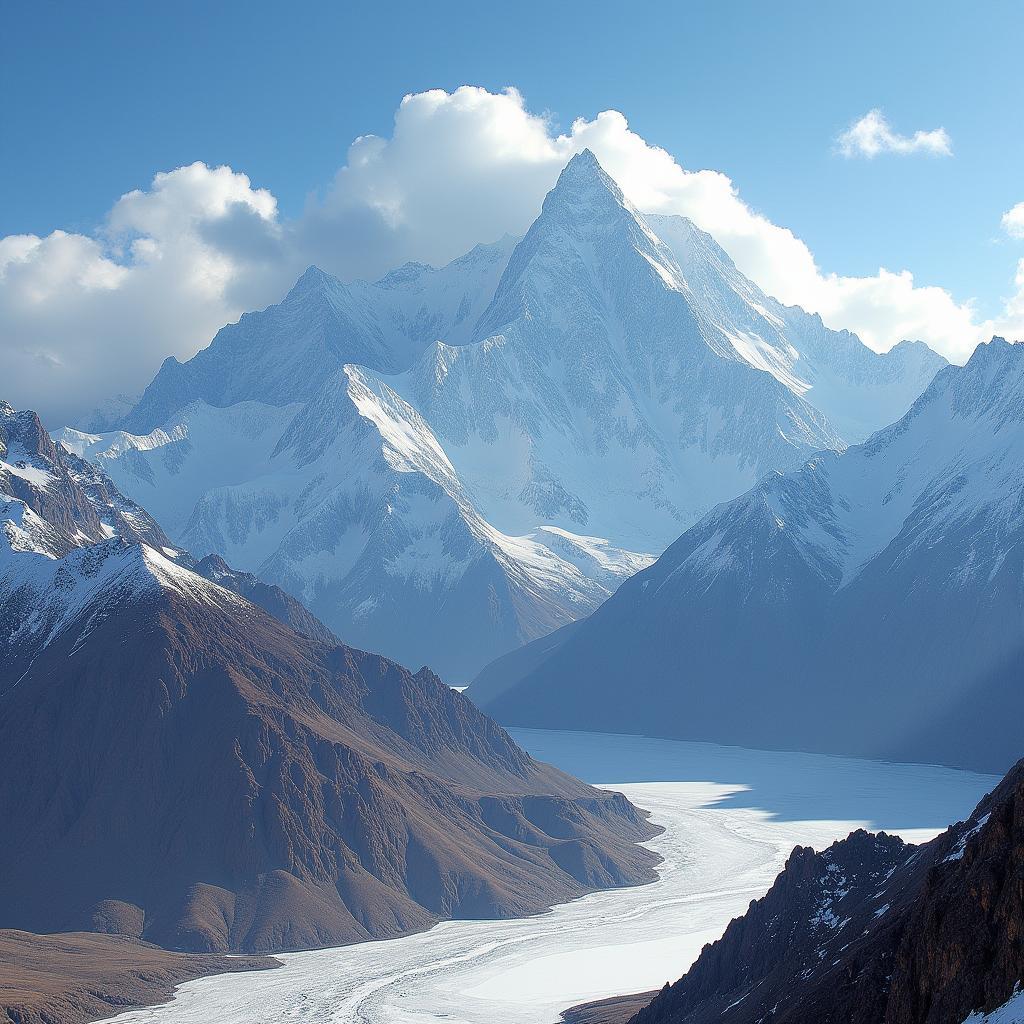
(868, 603)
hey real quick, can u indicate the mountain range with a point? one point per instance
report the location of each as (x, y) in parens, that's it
(185, 766)
(869, 602)
(449, 463)
(600, 473)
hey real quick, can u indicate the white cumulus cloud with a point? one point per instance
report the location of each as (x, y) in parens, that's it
(85, 316)
(469, 165)
(872, 134)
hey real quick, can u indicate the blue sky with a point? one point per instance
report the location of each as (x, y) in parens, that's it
(97, 98)
(101, 96)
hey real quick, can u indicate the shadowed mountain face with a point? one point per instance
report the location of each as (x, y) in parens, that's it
(450, 463)
(873, 931)
(271, 599)
(869, 603)
(182, 766)
(230, 785)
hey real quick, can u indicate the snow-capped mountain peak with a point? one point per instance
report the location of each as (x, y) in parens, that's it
(988, 387)
(857, 389)
(281, 354)
(950, 461)
(593, 400)
(66, 501)
(566, 405)
(586, 227)
(50, 599)
(584, 191)
(74, 550)
(878, 592)
(313, 279)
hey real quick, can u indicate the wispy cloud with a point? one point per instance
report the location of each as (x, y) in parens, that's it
(1013, 221)
(872, 134)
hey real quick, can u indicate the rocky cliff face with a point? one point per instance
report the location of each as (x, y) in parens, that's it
(271, 599)
(873, 931)
(75, 500)
(52, 503)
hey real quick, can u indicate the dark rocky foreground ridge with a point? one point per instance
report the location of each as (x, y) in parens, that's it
(870, 931)
(179, 765)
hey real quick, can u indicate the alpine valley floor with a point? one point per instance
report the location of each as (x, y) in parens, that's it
(731, 818)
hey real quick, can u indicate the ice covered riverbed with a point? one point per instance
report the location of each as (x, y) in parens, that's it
(731, 817)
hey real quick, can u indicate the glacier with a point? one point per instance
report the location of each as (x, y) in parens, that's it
(732, 818)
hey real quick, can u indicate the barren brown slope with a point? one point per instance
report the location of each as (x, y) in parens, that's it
(79, 977)
(234, 785)
(613, 1010)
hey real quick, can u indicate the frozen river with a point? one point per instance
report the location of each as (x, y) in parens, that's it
(731, 818)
